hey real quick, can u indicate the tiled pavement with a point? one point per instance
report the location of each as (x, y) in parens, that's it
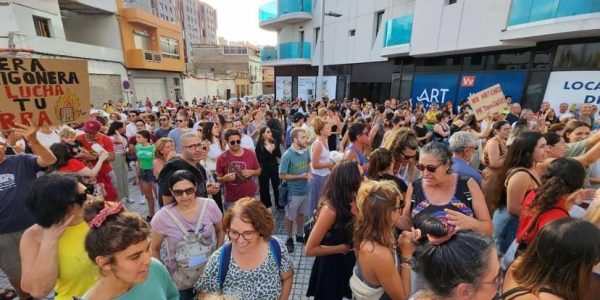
(302, 263)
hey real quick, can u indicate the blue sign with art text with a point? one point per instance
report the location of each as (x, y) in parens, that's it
(434, 88)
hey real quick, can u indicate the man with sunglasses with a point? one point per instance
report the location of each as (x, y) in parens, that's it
(193, 151)
(235, 168)
(165, 128)
(182, 127)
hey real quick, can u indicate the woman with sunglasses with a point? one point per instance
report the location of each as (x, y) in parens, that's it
(187, 209)
(468, 260)
(383, 262)
(442, 194)
(253, 265)
(403, 145)
(52, 252)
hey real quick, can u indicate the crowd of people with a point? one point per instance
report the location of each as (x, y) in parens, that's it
(393, 201)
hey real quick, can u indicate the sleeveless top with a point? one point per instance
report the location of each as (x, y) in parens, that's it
(519, 291)
(502, 149)
(438, 138)
(76, 272)
(461, 201)
(362, 290)
(323, 158)
(362, 159)
(378, 136)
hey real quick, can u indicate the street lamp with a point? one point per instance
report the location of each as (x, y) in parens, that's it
(322, 47)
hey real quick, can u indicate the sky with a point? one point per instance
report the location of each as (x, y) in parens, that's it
(237, 20)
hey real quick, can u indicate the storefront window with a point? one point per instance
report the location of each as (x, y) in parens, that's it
(534, 91)
(513, 61)
(573, 56)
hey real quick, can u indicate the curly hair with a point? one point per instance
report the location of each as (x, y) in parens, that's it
(376, 202)
(253, 212)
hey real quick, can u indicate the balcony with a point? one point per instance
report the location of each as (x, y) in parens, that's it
(277, 14)
(396, 36)
(528, 11)
(292, 53)
(540, 20)
(89, 7)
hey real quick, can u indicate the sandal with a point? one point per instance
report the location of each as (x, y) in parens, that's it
(7, 294)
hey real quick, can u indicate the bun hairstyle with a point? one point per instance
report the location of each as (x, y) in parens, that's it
(379, 160)
(376, 201)
(115, 232)
(463, 256)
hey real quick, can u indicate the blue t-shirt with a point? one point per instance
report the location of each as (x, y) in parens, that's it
(294, 163)
(161, 133)
(158, 286)
(462, 168)
(17, 172)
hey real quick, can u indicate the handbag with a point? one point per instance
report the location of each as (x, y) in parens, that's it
(308, 226)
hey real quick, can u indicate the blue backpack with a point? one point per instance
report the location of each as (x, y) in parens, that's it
(225, 259)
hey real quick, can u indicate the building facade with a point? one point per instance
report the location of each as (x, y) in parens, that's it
(437, 50)
(69, 30)
(153, 52)
(238, 59)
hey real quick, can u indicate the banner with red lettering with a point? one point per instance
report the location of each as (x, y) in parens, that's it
(488, 101)
(46, 91)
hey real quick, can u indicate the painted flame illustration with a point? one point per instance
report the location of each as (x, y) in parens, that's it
(68, 107)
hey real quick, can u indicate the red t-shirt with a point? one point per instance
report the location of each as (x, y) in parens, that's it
(241, 187)
(528, 216)
(72, 166)
(103, 141)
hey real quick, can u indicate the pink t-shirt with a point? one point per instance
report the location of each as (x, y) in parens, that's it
(163, 224)
(241, 187)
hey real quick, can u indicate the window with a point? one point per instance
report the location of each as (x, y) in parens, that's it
(176, 81)
(140, 40)
(352, 32)
(585, 55)
(378, 21)
(450, 2)
(317, 31)
(169, 47)
(41, 26)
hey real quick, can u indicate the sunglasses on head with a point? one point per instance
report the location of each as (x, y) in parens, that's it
(429, 168)
(235, 142)
(188, 191)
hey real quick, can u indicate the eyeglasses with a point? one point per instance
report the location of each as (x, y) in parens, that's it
(189, 191)
(235, 142)
(430, 168)
(498, 281)
(180, 121)
(407, 157)
(195, 146)
(247, 235)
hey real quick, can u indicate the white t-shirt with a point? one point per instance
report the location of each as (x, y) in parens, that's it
(47, 139)
(130, 130)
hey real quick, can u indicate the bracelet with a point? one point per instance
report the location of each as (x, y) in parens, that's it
(406, 260)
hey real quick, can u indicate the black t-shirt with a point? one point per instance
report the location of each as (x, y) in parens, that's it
(421, 132)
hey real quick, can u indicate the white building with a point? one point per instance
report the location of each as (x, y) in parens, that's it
(76, 29)
(436, 50)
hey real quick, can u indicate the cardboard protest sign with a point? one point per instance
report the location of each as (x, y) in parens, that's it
(488, 101)
(46, 91)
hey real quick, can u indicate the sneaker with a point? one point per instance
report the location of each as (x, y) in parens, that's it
(299, 239)
(289, 244)
(142, 200)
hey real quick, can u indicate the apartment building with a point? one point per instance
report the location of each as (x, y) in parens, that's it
(153, 52)
(68, 30)
(437, 50)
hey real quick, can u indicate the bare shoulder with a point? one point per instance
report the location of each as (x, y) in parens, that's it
(33, 234)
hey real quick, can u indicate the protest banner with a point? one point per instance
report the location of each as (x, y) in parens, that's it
(488, 101)
(46, 92)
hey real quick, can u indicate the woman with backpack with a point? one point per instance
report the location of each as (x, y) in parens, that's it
(253, 265)
(192, 228)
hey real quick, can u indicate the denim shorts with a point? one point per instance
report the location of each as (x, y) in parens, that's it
(147, 175)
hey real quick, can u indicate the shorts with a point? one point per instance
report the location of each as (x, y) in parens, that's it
(298, 205)
(10, 259)
(147, 176)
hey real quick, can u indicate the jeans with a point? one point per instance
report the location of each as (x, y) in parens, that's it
(505, 229)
